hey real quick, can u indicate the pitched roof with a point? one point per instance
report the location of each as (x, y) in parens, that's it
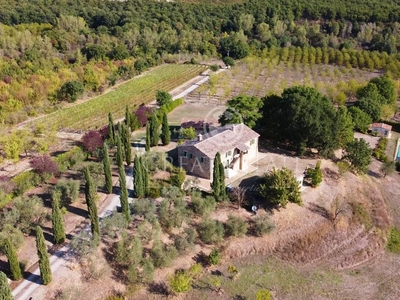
(381, 125)
(223, 139)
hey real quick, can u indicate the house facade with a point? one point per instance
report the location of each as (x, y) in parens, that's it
(381, 129)
(236, 143)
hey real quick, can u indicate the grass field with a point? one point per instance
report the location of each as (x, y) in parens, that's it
(94, 113)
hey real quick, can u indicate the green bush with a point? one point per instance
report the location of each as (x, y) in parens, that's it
(163, 255)
(202, 206)
(69, 190)
(144, 207)
(380, 150)
(67, 160)
(263, 295)
(167, 108)
(214, 257)
(185, 241)
(263, 225)
(394, 240)
(235, 226)
(180, 282)
(211, 231)
(178, 177)
(195, 270)
(25, 181)
(214, 68)
(314, 175)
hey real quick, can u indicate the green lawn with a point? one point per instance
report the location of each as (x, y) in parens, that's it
(93, 114)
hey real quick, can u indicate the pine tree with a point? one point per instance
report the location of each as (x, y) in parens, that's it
(111, 130)
(44, 261)
(107, 169)
(5, 289)
(165, 133)
(138, 177)
(57, 219)
(216, 183)
(91, 195)
(154, 130)
(147, 136)
(146, 178)
(127, 145)
(12, 258)
(123, 196)
(119, 154)
(127, 117)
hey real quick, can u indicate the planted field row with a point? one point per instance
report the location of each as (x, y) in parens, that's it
(93, 113)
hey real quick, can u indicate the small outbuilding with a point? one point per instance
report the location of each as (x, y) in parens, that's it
(381, 129)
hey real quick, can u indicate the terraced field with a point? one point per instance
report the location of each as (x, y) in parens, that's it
(94, 113)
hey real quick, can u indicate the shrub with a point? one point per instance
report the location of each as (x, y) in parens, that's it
(144, 208)
(185, 241)
(68, 159)
(210, 231)
(129, 251)
(163, 98)
(343, 166)
(162, 255)
(70, 91)
(180, 282)
(195, 270)
(187, 133)
(214, 68)
(214, 257)
(13, 234)
(263, 295)
(263, 225)
(314, 175)
(69, 190)
(167, 108)
(235, 226)
(203, 206)
(228, 61)
(380, 150)
(178, 177)
(113, 224)
(45, 166)
(141, 65)
(92, 140)
(394, 240)
(143, 113)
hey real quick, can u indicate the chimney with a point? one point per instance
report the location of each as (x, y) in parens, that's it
(200, 137)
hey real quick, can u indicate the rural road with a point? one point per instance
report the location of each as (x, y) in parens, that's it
(27, 287)
(25, 290)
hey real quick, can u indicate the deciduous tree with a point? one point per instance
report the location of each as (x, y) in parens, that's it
(242, 109)
(358, 154)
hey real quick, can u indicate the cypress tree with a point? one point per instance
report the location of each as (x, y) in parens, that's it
(127, 117)
(111, 130)
(147, 136)
(12, 258)
(5, 289)
(216, 183)
(107, 169)
(119, 153)
(145, 173)
(123, 196)
(222, 187)
(165, 133)
(127, 145)
(44, 261)
(154, 130)
(119, 129)
(138, 177)
(57, 219)
(90, 195)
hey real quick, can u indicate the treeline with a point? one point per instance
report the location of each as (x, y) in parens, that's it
(91, 45)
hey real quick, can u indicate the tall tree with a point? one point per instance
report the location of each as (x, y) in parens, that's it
(127, 145)
(123, 194)
(163, 98)
(216, 183)
(165, 132)
(5, 289)
(107, 169)
(138, 177)
(12, 258)
(44, 261)
(148, 134)
(154, 130)
(91, 197)
(127, 116)
(119, 155)
(111, 130)
(280, 187)
(146, 179)
(222, 192)
(344, 126)
(358, 153)
(242, 109)
(57, 219)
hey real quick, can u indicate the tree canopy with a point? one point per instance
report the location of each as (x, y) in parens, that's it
(358, 154)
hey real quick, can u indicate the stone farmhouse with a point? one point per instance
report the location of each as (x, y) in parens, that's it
(236, 143)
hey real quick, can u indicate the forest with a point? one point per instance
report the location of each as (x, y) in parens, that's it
(59, 51)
